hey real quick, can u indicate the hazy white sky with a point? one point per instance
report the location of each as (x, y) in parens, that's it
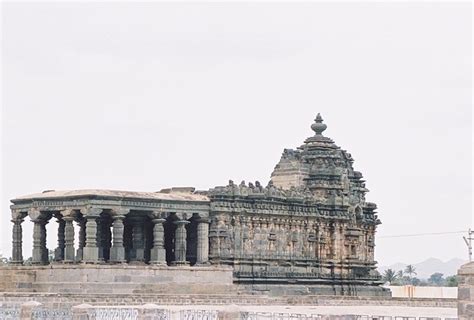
(145, 96)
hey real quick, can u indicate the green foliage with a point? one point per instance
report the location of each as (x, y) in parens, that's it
(410, 270)
(415, 281)
(389, 276)
(436, 279)
(407, 277)
(451, 281)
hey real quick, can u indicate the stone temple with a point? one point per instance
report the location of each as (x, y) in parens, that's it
(309, 230)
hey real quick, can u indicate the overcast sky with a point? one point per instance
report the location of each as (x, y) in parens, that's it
(146, 96)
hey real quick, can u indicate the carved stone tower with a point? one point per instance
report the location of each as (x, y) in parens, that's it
(321, 167)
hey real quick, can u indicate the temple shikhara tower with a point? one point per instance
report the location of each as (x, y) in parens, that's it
(309, 230)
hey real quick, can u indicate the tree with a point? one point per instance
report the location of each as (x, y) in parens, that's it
(452, 281)
(415, 281)
(389, 276)
(436, 279)
(410, 270)
(400, 274)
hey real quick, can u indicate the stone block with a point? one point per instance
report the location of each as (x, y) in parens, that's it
(91, 254)
(122, 279)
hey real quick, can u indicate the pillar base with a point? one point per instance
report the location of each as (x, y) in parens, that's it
(37, 257)
(69, 254)
(117, 254)
(91, 254)
(17, 263)
(158, 256)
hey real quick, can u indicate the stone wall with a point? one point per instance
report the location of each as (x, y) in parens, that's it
(64, 299)
(466, 291)
(116, 279)
(35, 310)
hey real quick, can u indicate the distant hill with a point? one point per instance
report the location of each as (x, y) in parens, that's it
(426, 268)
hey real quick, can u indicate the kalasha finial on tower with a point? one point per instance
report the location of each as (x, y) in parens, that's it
(318, 126)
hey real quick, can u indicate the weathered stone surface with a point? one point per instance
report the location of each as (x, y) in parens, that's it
(310, 224)
(466, 292)
(308, 231)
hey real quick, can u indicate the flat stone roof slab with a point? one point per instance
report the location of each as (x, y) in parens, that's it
(115, 194)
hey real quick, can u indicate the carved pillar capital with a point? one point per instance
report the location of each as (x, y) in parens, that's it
(91, 212)
(158, 220)
(182, 216)
(68, 218)
(18, 216)
(68, 213)
(120, 213)
(181, 222)
(158, 214)
(35, 214)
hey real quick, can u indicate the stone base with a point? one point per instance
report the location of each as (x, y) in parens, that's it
(90, 254)
(276, 290)
(117, 254)
(155, 279)
(157, 256)
(116, 279)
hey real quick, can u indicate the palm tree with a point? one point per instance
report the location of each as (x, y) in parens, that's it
(389, 276)
(410, 270)
(400, 274)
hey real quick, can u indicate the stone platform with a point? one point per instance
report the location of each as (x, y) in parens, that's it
(116, 279)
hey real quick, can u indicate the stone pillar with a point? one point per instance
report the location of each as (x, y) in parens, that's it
(40, 252)
(117, 252)
(100, 237)
(138, 240)
(202, 256)
(82, 239)
(69, 239)
(180, 243)
(59, 251)
(91, 251)
(17, 241)
(158, 252)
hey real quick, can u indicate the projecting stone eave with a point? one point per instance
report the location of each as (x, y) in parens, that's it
(56, 200)
(97, 193)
